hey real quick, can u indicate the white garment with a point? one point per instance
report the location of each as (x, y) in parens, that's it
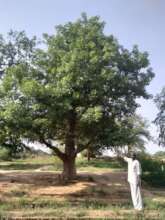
(136, 196)
(134, 172)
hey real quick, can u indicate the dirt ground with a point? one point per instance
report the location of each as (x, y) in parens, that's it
(110, 188)
(47, 183)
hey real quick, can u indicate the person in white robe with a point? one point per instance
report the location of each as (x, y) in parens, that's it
(134, 179)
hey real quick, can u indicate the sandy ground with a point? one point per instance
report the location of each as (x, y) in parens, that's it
(104, 187)
(47, 183)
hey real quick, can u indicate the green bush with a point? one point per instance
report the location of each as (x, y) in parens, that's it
(4, 154)
(152, 165)
(153, 170)
(156, 179)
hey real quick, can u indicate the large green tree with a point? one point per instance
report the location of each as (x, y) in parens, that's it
(78, 91)
(160, 119)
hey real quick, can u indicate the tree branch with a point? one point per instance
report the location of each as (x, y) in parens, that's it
(82, 147)
(60, 154)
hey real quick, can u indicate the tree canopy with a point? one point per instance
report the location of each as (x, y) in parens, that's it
(78, 91)
(15, 49)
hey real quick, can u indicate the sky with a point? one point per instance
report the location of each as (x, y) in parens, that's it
(140, 22)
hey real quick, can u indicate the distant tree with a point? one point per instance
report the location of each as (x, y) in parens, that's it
(136, 134)
(15, 49)
(78, 92)
(160, 118)
(160, 154)
(93, 152)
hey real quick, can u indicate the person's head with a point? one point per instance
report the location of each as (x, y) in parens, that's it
(133, 156)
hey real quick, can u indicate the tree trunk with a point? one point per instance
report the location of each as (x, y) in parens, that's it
(69, 169)
(88, 154)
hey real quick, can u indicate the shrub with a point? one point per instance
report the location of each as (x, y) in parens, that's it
(156, 179)
(153, 170)
(4, 154)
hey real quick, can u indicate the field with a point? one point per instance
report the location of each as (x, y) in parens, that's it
(31, 189)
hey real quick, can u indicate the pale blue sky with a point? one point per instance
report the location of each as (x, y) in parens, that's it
(139, 22)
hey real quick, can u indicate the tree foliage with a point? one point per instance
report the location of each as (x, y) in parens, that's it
(136, 135)
(15, 50)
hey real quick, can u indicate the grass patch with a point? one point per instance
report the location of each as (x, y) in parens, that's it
(98, 164)
(20, 166)
(154, 205)
(52, 163)
(77, 208)
(31, 204)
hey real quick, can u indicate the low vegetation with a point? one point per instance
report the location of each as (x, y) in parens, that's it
(153, 170)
